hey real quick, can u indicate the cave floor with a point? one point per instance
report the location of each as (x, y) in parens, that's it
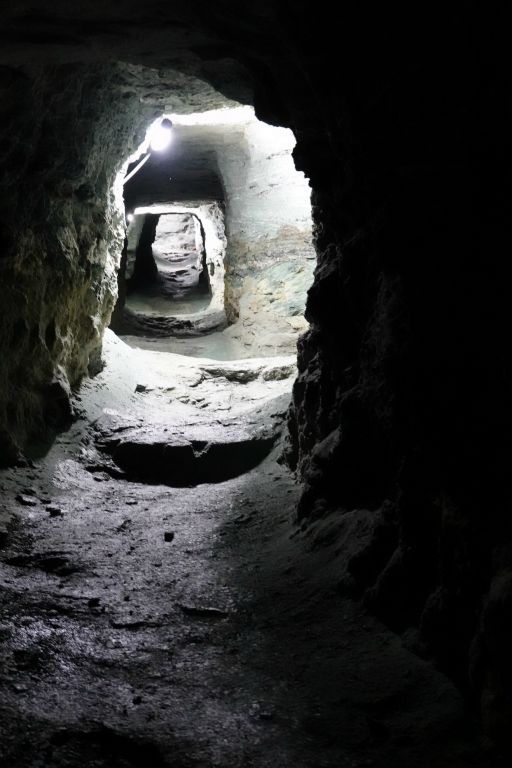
(149, 625)
(216, 346)
(145, 303)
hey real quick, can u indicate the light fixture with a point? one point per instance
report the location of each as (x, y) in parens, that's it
(129, 217)
(160, 135)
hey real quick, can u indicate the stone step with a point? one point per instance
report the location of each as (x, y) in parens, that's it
(152, 456)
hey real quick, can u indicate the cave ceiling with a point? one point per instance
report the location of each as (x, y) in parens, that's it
(203, 50)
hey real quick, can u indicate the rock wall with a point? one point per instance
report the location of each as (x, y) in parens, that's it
(402, 403)
(268, 223)
(61, 136)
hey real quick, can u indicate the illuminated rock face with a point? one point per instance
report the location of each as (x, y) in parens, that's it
(178, 251)
(402, 404)
(268, 220)
(175, 255)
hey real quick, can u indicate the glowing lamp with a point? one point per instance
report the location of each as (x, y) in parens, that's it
(161, 135)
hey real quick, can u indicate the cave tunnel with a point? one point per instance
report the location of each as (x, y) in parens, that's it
(255, 387)
(169, 257)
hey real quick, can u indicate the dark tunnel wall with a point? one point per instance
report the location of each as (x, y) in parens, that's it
(402, 401)
(63, 130)
(402, 404)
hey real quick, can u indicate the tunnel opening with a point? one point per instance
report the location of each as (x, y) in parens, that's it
(238, 285)
(167, 263)
(216, 263)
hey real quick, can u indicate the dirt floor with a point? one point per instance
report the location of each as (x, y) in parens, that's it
(150, 625)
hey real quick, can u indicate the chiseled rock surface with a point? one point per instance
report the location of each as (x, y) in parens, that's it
(64, 238)
(178, 252)
(271, 308)
(268, 217)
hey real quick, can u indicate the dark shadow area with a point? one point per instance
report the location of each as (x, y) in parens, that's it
(145, 272)
(188, 463)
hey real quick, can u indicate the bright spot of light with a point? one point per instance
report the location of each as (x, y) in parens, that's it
(160, 135)
(226, 116)
(129, 218)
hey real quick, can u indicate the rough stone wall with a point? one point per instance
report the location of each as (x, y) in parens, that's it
(179, 232)
(402, 403)
(62, 234)
(268, 222)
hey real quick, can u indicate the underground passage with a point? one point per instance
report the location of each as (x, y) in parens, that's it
(254, 386)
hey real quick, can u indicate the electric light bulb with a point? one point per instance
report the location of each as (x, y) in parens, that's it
(160, 136)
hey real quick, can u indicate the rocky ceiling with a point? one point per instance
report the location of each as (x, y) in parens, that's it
(192, 165)
(180, 41)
